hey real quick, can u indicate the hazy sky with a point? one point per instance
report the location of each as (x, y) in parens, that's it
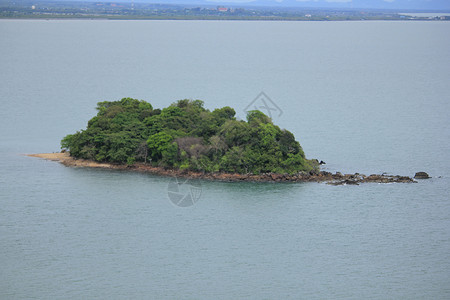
(386, 4)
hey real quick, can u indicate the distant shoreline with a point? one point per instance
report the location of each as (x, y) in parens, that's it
(320, 176)
(181, 18)
(208, 10)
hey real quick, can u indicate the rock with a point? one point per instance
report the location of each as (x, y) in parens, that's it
(314, 172)
(344, 182)
(421, 175)
(351, 182)
(276, 177)
(322, 162)
(335, 183)
(404, 179)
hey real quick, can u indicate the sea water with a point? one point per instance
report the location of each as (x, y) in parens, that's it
(368, 97)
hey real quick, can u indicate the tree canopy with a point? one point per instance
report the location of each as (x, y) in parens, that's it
(185, 135)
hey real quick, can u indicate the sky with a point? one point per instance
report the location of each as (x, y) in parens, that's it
(378, 4)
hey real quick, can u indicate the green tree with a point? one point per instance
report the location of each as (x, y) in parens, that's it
(235, 133)
(158, 143)
(255, 117)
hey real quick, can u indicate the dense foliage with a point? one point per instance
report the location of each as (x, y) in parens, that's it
(185, 135)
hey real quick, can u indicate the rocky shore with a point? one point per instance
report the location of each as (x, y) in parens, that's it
(319, 176)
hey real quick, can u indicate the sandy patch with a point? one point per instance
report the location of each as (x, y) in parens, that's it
(67, 160)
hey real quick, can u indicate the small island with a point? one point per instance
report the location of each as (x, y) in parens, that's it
(186, 136)
(185, 139)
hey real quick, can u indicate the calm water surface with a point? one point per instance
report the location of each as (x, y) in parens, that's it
(367, 97)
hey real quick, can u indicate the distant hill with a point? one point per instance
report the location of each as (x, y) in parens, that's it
(375, 4)
(398, 5)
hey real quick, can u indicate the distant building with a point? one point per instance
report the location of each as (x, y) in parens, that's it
(222, 8)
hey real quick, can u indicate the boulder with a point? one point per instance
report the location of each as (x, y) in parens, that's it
(421, 175)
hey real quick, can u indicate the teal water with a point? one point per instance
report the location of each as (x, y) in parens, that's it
(367, 97)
